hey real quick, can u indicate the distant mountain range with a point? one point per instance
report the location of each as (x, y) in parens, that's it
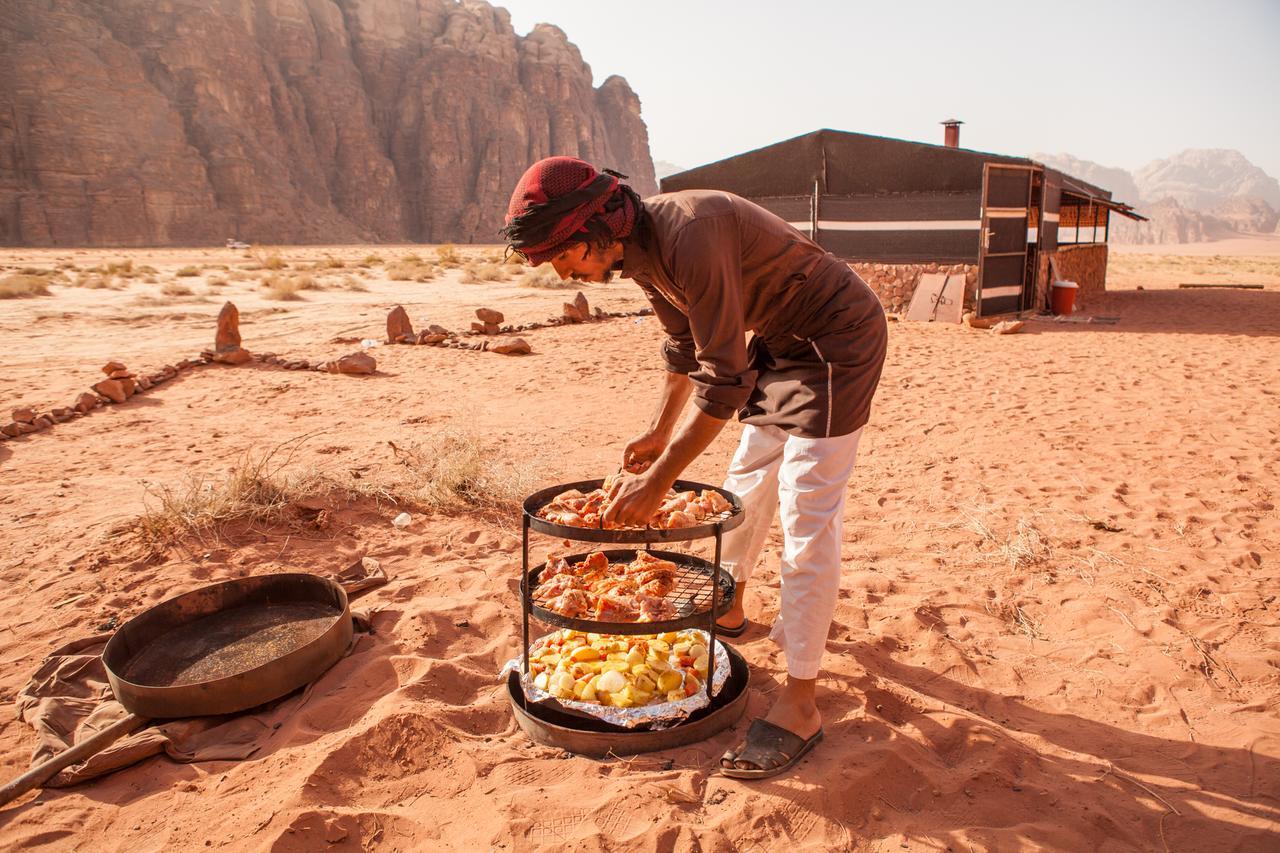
(1197, 195)
(662, 168)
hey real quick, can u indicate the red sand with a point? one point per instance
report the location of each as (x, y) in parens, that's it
(1059, 628)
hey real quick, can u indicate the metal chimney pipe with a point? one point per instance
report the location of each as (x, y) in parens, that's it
(951, 136)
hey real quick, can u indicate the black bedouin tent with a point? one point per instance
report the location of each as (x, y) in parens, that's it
(871, 199)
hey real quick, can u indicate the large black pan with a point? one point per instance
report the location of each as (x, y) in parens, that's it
(216, 650)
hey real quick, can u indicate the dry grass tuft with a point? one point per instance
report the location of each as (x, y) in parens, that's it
(306, 282)
(173, 288)
(407, 270)
(282, 287)
(448, 256)
(454, 470)
(331, 263)
(478, 271)
(188, 272)
(1027, 547)
(450, 471)
(353, 284)
(257, 489)
(217, 282)
(96, 281)
(546, 278)
(20, 286)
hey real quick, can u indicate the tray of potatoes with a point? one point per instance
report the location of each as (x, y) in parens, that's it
(622, 672)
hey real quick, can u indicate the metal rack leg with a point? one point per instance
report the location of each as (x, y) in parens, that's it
(524, 596)
(711, 628)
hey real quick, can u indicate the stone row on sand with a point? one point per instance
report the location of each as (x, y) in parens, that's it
(490, 324)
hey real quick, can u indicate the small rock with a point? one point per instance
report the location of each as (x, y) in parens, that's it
(398, 324)
(112, 389)
(356, 364)
(431, 339)
(120, 374)
(436, 329)
(1007, 327)
(401, 521)
(130, 387)
(170, 371)
(144, 384)
(24, 415)
(577, 311)
(233, 355)
(11, 430)
(228, 334)
(42, 422)
(112, 366)
(26, 429)
(488, 316)
(62, 414)
(510, 346)
(87, 402)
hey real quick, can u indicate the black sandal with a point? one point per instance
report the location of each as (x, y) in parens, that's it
(772, 749)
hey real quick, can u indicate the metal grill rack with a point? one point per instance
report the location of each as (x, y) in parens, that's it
(703, 591)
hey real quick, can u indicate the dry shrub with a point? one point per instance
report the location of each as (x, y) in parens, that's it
(265, 260)
(448, 256)
(371, 260)
(96, 281)
(331, 263)
(412, 258)
(174, 288)
(354, 284)
(547, 278)
(258, 488)
(410, 271)
(19, 286)
(478, 271)
(188, 272)
(450, 470)
(217, 282)
(453, 469)
(123, 268)
(306, 282)
(282, 288)
(1027, 547)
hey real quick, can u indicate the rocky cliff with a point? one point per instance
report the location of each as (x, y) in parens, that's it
(153, 122)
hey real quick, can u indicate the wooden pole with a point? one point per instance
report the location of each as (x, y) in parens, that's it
(37, 776)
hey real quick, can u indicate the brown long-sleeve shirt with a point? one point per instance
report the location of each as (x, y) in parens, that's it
(715, 265)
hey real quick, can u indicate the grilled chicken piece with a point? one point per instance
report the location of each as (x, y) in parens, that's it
(572, 602)
(611, 608)
(654, 609)
(556, 585)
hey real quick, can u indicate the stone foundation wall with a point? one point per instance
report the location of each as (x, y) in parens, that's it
(1086, 265)
(895, 283)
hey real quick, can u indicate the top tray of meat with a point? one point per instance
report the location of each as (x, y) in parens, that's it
(690, 511)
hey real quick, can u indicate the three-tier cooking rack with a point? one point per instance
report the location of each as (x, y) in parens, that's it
(703, 591)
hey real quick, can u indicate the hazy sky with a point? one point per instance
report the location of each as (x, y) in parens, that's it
(1120, 83)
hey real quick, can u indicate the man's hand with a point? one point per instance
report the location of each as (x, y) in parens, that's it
(634, 500)
(642, 450)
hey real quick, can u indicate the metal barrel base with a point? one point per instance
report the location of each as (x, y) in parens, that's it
(597, 739)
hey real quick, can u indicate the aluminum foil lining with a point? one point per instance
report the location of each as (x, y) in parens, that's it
(662, 715)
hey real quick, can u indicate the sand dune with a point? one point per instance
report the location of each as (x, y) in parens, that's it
(1058, 629)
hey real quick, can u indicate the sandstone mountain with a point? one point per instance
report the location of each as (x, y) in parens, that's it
(1202, 178)
(153, 122)
(1193, 196)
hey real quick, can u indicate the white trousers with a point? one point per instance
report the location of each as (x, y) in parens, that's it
(806, 478)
